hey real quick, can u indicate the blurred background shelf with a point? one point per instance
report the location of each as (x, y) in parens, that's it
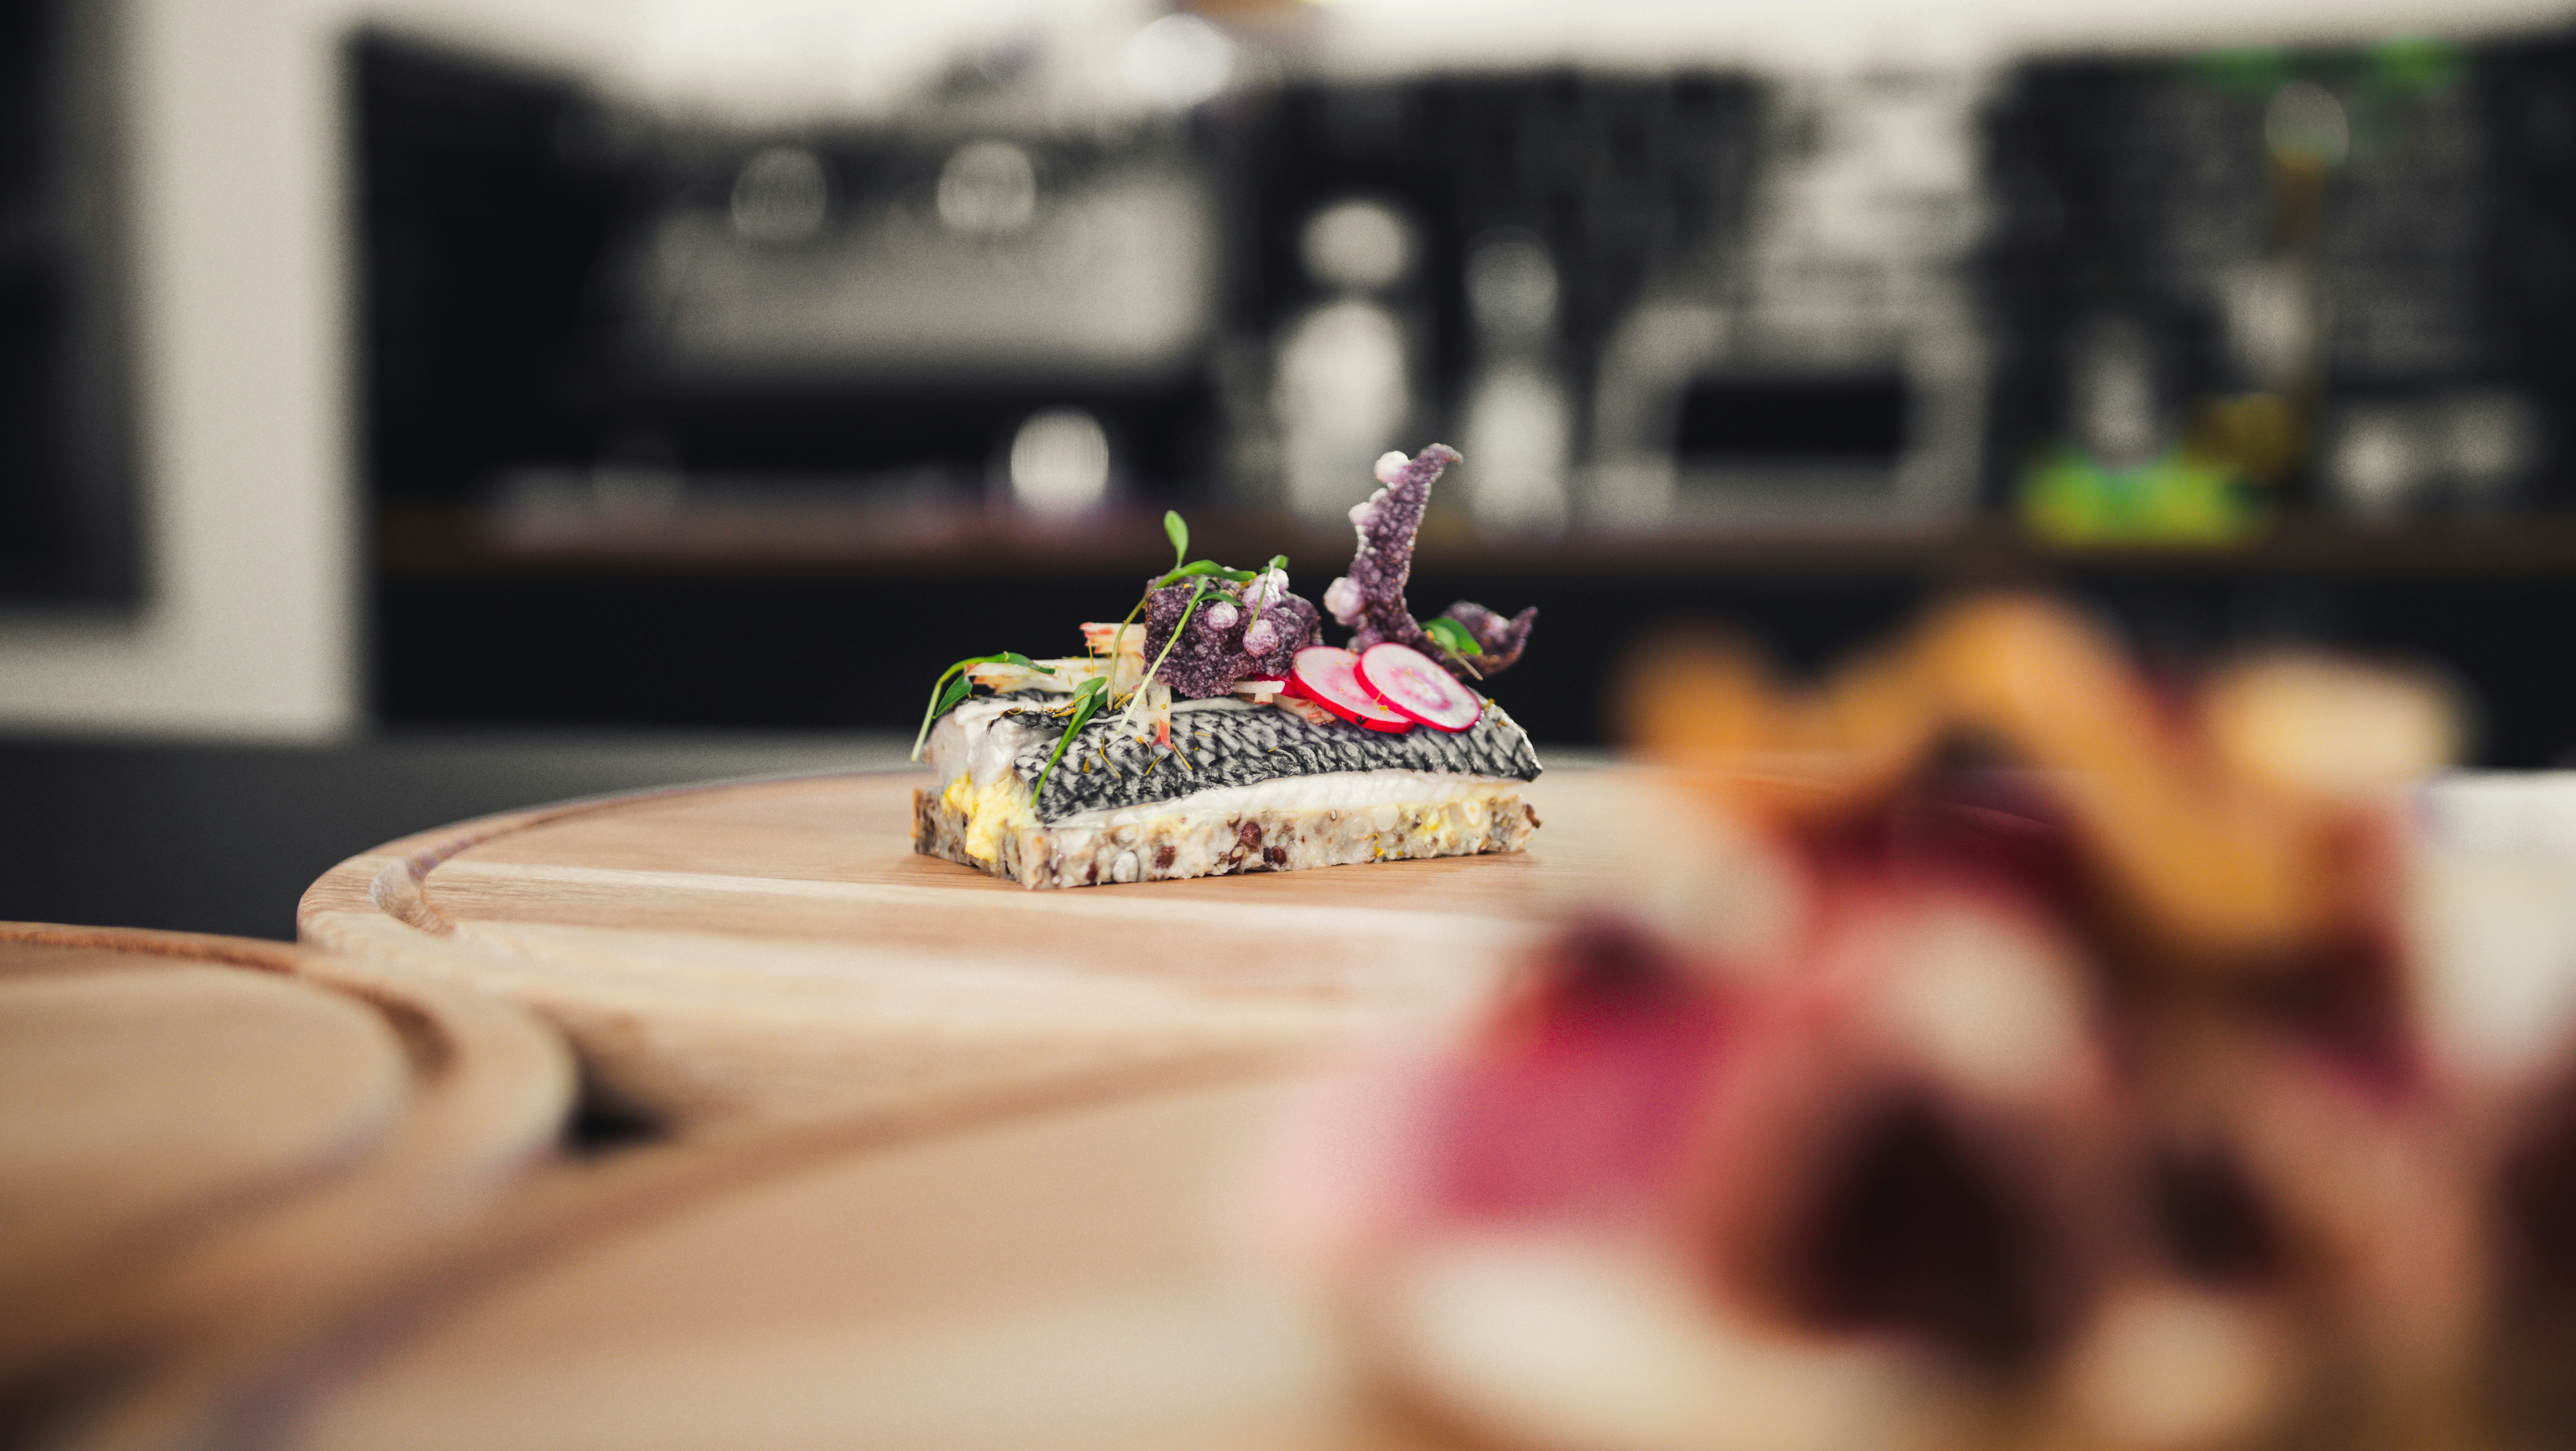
(756, 418)
(995, 546)
(832, 618)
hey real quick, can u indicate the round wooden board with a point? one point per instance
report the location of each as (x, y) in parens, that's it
(136, 1103)
(211, 1149)
(1087, 1277)
(776, 950)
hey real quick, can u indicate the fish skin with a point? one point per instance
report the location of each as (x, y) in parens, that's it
(1212, 748)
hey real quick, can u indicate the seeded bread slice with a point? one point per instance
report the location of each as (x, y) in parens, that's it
(1181, 842)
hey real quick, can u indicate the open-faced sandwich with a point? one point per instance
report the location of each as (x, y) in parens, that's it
(1212, 731)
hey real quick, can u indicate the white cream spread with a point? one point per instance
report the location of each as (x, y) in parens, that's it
(1331, 791)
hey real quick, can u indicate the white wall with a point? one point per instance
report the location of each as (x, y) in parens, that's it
(233, 211)
(238, 200)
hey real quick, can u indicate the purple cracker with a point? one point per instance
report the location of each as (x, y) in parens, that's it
(1370, 599)
(1212, 653)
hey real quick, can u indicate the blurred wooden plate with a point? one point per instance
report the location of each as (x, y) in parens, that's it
(207, 1143)
(1070, 1279)
(775, 950)
(141, 1097)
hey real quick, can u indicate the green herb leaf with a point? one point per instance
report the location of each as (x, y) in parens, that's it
(1206, 568)
(1178, 532)
(943, 694)
(1086, 704)
(1451, 636)
(957, 690)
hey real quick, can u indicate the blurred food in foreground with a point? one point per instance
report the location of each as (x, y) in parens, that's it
(2090, 1097)
(2229, 823)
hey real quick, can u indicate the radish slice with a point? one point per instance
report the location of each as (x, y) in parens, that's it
(1406, 681)
(1330, 677)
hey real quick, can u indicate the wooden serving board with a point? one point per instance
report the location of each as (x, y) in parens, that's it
(758, 952)
(210, 1148)
(1091, 1277)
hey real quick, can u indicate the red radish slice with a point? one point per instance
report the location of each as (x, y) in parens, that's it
(1330, 677)
(1406, 681)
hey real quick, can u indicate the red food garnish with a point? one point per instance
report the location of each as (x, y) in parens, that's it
(1408, 682)
(1330, 676)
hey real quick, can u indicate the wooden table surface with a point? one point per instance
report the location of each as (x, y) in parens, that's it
(1088, 1277)
(354, 1233)
(989, 1168)
(214, 1150)
(749, 953)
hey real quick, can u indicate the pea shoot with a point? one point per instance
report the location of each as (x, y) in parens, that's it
(1086, 704)
(1277, 562)
(1177, 529)
(1456, 640)
(954, 683)
(1198, 591)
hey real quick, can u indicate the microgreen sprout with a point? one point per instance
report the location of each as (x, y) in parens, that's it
(1198, 591)
(1277, 562)
(1177, 530)
(954, 683)
(1451, 636)
(1086, 704)
(1121, 632)
(1197, 568)
(1456, 640)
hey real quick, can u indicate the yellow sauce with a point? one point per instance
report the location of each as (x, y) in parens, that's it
(990, 813)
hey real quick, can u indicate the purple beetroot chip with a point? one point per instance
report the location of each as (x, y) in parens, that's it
(1225, 642)
(1370, 599)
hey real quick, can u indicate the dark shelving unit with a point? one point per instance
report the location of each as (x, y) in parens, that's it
(772, 576)
(67, 489)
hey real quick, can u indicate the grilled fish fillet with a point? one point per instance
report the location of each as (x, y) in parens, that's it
(1241, 788)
